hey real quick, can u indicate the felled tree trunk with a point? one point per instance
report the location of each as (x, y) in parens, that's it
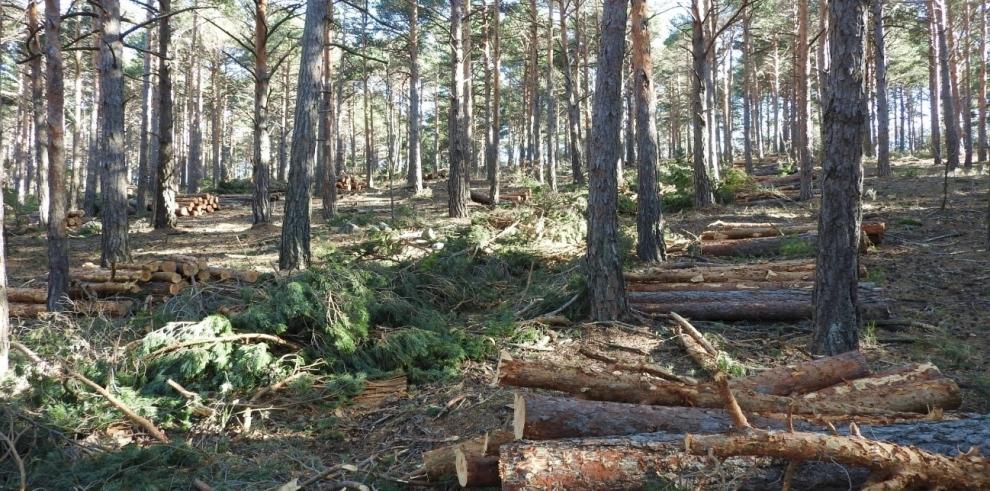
(623, 387)
(442, 461)
(806, 377)
(476, 470)
(915, 388)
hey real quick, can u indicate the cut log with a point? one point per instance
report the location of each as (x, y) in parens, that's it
(378, 392)
(807, 377)
(105, 275)
(718, 275)
(162, 276)
(475, 470)
(246, 275)
(538, 417)
(441, 462)
(27, 295)
(26, 310)
(168, 266)
(86, 290)
(715, 287)
(622, 387)
(637, 461)
(753, 310)
(915, 388)
(873, 230)
(163, 287)
(220, 274)
(112, 308)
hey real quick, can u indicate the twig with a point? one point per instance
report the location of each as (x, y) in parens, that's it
(117, 403)
(222, 339)
(17, 460)
(731, 405)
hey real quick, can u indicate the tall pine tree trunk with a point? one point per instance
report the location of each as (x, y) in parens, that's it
(328, 182)
(414, 176)
(553, 140)
(982, 99)
(58, 238)
(649, 217)
(194, 103)
(606, 290)
(167, 187)
(836, 314)
(704, 195)
(261, 205)
(966, 99)
(75, 183)
(934, 82)
(113, 213)
(802, 72)
(576, 151)
(880, 64)
(494, 95)
(747, 87)
(294, 250)
(35, 29)
(949, 110)
(457, 186)
(143, 178)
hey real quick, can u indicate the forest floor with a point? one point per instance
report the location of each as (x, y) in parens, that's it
(934, 265)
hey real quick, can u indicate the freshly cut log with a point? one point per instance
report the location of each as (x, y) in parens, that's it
(164, 287)
(719, 275)
(246, 275)
(75, 213)
(149, 266)
(874, 230)
(539, 417)
(202, 276)
(168, 266)
(475, 470)
(753, 310)
(105, 275)
(714, 287)
(377, 392)
(84, 290)
(761, 246)
(441, 462)
(485, 199)
(182, 258)
(162, 276)
(27, 295)
(26, 309)
(916, 388)
(635, 461)
(640, 389)
(496, 438)
(806, 377)
(868, 293)
(908, 467)
(220, 274)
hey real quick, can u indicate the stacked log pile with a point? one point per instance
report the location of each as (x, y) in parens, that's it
(349, 183)
(435, 176)
(765, 291)
(765, 239)
(508, 196)
(628, 429)
(92, 286)
(197, 205)
(74, 218)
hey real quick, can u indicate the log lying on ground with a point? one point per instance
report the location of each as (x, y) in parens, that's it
(769, 246)
(377, 392)
(474, 470)
(86, 290)
(714, 287)
(484, 199)
(754, 273)
(166, 277)
(441, 461)
(640, 389)
(112, 308)
(105, 275)
(634, 461)
(164, 287)
(753, 305)
(874, 230)
(806, 377)
(27, 295)
(915, 388)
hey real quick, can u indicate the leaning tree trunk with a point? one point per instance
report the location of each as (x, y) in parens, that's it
(414, 176)
(38, 104)
(113, 213)
(167, 187)
(836, 317)
(58, 240)
(880, 58)
(294, 251)
(576, 153)
(704, 195)
(802, 70)
(457, 186)
(649, 217)
(261, 205)
(606, 290)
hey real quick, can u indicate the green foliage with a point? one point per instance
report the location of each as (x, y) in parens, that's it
(876, 275)
(733, 180)
(796, 247)
(679, 175)
(220, 366)
(156, 467)
(234, 186)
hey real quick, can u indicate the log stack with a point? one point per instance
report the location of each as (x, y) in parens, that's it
(767, 291)
(74, 218)
(95, 290)
(194, 205)
(765, 239)
(349, 183)
(624, 430)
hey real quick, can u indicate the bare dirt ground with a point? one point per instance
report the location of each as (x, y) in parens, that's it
(934, 265)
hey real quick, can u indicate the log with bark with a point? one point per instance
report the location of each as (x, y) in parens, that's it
(442, 461)
(589, 383)
(167, 288)
(112, 308)
(165, 277)
(770, 246)
(475, 470)
(917, 388)
(753, 305)
(791, 271)
(714, 287)
(874, 230)
(105, 275)
(635, 461)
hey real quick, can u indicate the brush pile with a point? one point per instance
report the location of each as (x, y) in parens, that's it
(91, 285)
(630, 424)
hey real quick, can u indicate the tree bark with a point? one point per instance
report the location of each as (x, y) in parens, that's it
(836, 317)
(494, 90)
(937, 9)
(576, 143)
(650, 246)
(747, 96)
(982, 97)
(4, 314)
(414, 176)
(606, 291)
(75, 182)
(553, 136)
(934, 82)
(965, 99)
(168, 186)
(58, 240)
(328, 183)
(457, 186)
(146, 115)
(880, 64)
(41, 166)
(194, 103)
(261, 205)
(113, 212)
(802, 69)
(294, 250)
(704, 194)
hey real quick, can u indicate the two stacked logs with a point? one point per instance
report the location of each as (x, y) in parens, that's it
(768, 291)
(196, 204)
(767, 239)
(632, 429)
(90, 282)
